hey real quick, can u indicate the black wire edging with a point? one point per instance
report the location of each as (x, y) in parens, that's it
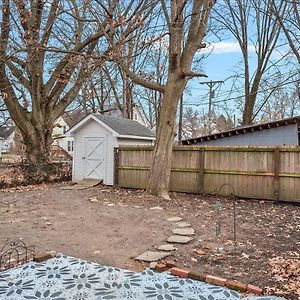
(15, 253)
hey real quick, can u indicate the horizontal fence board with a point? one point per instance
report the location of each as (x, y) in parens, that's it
(250, 172)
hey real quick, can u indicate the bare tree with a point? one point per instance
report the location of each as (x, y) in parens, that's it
(281, 101)
(289, 21)
(254, 25)
(186, 27)
(45, 50)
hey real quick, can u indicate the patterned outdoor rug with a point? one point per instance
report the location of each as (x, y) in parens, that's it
(66, 277)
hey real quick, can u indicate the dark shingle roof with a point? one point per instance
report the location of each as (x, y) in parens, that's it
(6, 131)
(73, 117)
(125, 126)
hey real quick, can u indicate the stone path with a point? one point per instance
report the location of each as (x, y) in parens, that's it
(150, 256)
(179, 239)
(181, 235)
(184, 231)
(166, 247)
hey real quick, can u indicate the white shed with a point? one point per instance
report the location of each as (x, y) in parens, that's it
(95, 137)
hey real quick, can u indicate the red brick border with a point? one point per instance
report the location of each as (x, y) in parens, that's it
(187, 273)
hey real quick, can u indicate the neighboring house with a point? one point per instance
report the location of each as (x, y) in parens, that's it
(114, 111)
(277, 133)
(7, 133)
(95, 137)
(60, 133)
(62, 137)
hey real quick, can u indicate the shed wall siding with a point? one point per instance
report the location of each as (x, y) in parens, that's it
(127, 141)
(93, 129)
(284, 135)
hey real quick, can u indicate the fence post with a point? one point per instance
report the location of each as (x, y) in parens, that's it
(276, 174)
(201, 171)
(116, 166)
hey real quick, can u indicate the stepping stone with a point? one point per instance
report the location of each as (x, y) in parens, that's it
(179, 239)
(183, 225)
(184, 231)
(151, 256)
(175, 219)
(156, 208)
(166, 247)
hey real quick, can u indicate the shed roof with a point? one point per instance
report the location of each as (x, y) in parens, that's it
(126, 126)
(242, 130)
(121, 126)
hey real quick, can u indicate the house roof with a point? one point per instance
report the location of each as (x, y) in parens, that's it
(120, 126)
(6, 131)
(73, 117)
(242, 130)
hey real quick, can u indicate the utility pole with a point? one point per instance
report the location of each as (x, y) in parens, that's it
(211, 95)
(180, 118)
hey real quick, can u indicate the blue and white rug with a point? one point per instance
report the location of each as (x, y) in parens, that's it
(68, 278)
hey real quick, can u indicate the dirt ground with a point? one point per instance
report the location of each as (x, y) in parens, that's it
(123, 224)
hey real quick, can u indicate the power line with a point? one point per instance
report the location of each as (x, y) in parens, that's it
(240, 96)
(211, 95)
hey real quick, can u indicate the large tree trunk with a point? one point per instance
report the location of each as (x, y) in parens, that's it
(160, 173)
(37, 148)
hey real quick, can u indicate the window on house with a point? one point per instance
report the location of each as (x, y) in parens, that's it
(65, 129)
(70, 146)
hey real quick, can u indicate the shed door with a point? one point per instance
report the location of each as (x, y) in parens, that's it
(94, 158)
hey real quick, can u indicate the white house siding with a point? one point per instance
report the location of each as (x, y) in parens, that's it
(7, 143)
(64, 141)
(62, 138)
(93, 129)
(284, 135)
(136, 115)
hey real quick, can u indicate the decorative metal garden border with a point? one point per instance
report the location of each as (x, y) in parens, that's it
(15, 253)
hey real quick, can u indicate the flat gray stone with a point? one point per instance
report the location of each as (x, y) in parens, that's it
(151, 256)
(179, 239)
(184, 231)
(156, 208)
(175, 219)
(166, 247)
(183, 225)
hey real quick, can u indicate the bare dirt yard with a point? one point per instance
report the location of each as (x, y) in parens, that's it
(118, 224)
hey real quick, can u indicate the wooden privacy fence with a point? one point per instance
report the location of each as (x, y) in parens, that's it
(251, 172)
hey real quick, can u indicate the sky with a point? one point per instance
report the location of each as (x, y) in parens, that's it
(218, 65)
(225, 58)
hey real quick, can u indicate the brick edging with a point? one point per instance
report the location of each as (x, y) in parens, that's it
(188, 273)
(43, 256)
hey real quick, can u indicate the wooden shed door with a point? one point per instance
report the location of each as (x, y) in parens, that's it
(94, 158)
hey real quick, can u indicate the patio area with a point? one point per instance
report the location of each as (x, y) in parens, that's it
(65, 277)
